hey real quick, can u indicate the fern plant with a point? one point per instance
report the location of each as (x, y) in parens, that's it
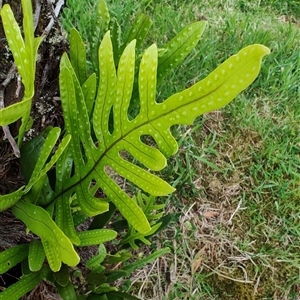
(91, 158)
(101, 140)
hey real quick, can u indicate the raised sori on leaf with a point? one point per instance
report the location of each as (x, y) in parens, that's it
(97, 141)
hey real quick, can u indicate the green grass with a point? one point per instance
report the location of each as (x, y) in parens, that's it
(237, 170)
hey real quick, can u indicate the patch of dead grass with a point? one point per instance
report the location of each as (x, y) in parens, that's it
(212, 248)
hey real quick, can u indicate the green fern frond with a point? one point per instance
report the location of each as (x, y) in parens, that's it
(153, 212)
(92, 160)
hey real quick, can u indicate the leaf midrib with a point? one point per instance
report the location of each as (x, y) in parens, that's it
(123, 137)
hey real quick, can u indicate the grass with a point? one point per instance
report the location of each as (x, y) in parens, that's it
(237, 235)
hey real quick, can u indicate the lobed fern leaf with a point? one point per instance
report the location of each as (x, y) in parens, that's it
(91, 159)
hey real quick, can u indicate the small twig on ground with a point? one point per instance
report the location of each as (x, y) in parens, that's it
(227, 277)
(19, 85)
(56, 11)
(233, 214)
(37, 12)
(7, 134)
